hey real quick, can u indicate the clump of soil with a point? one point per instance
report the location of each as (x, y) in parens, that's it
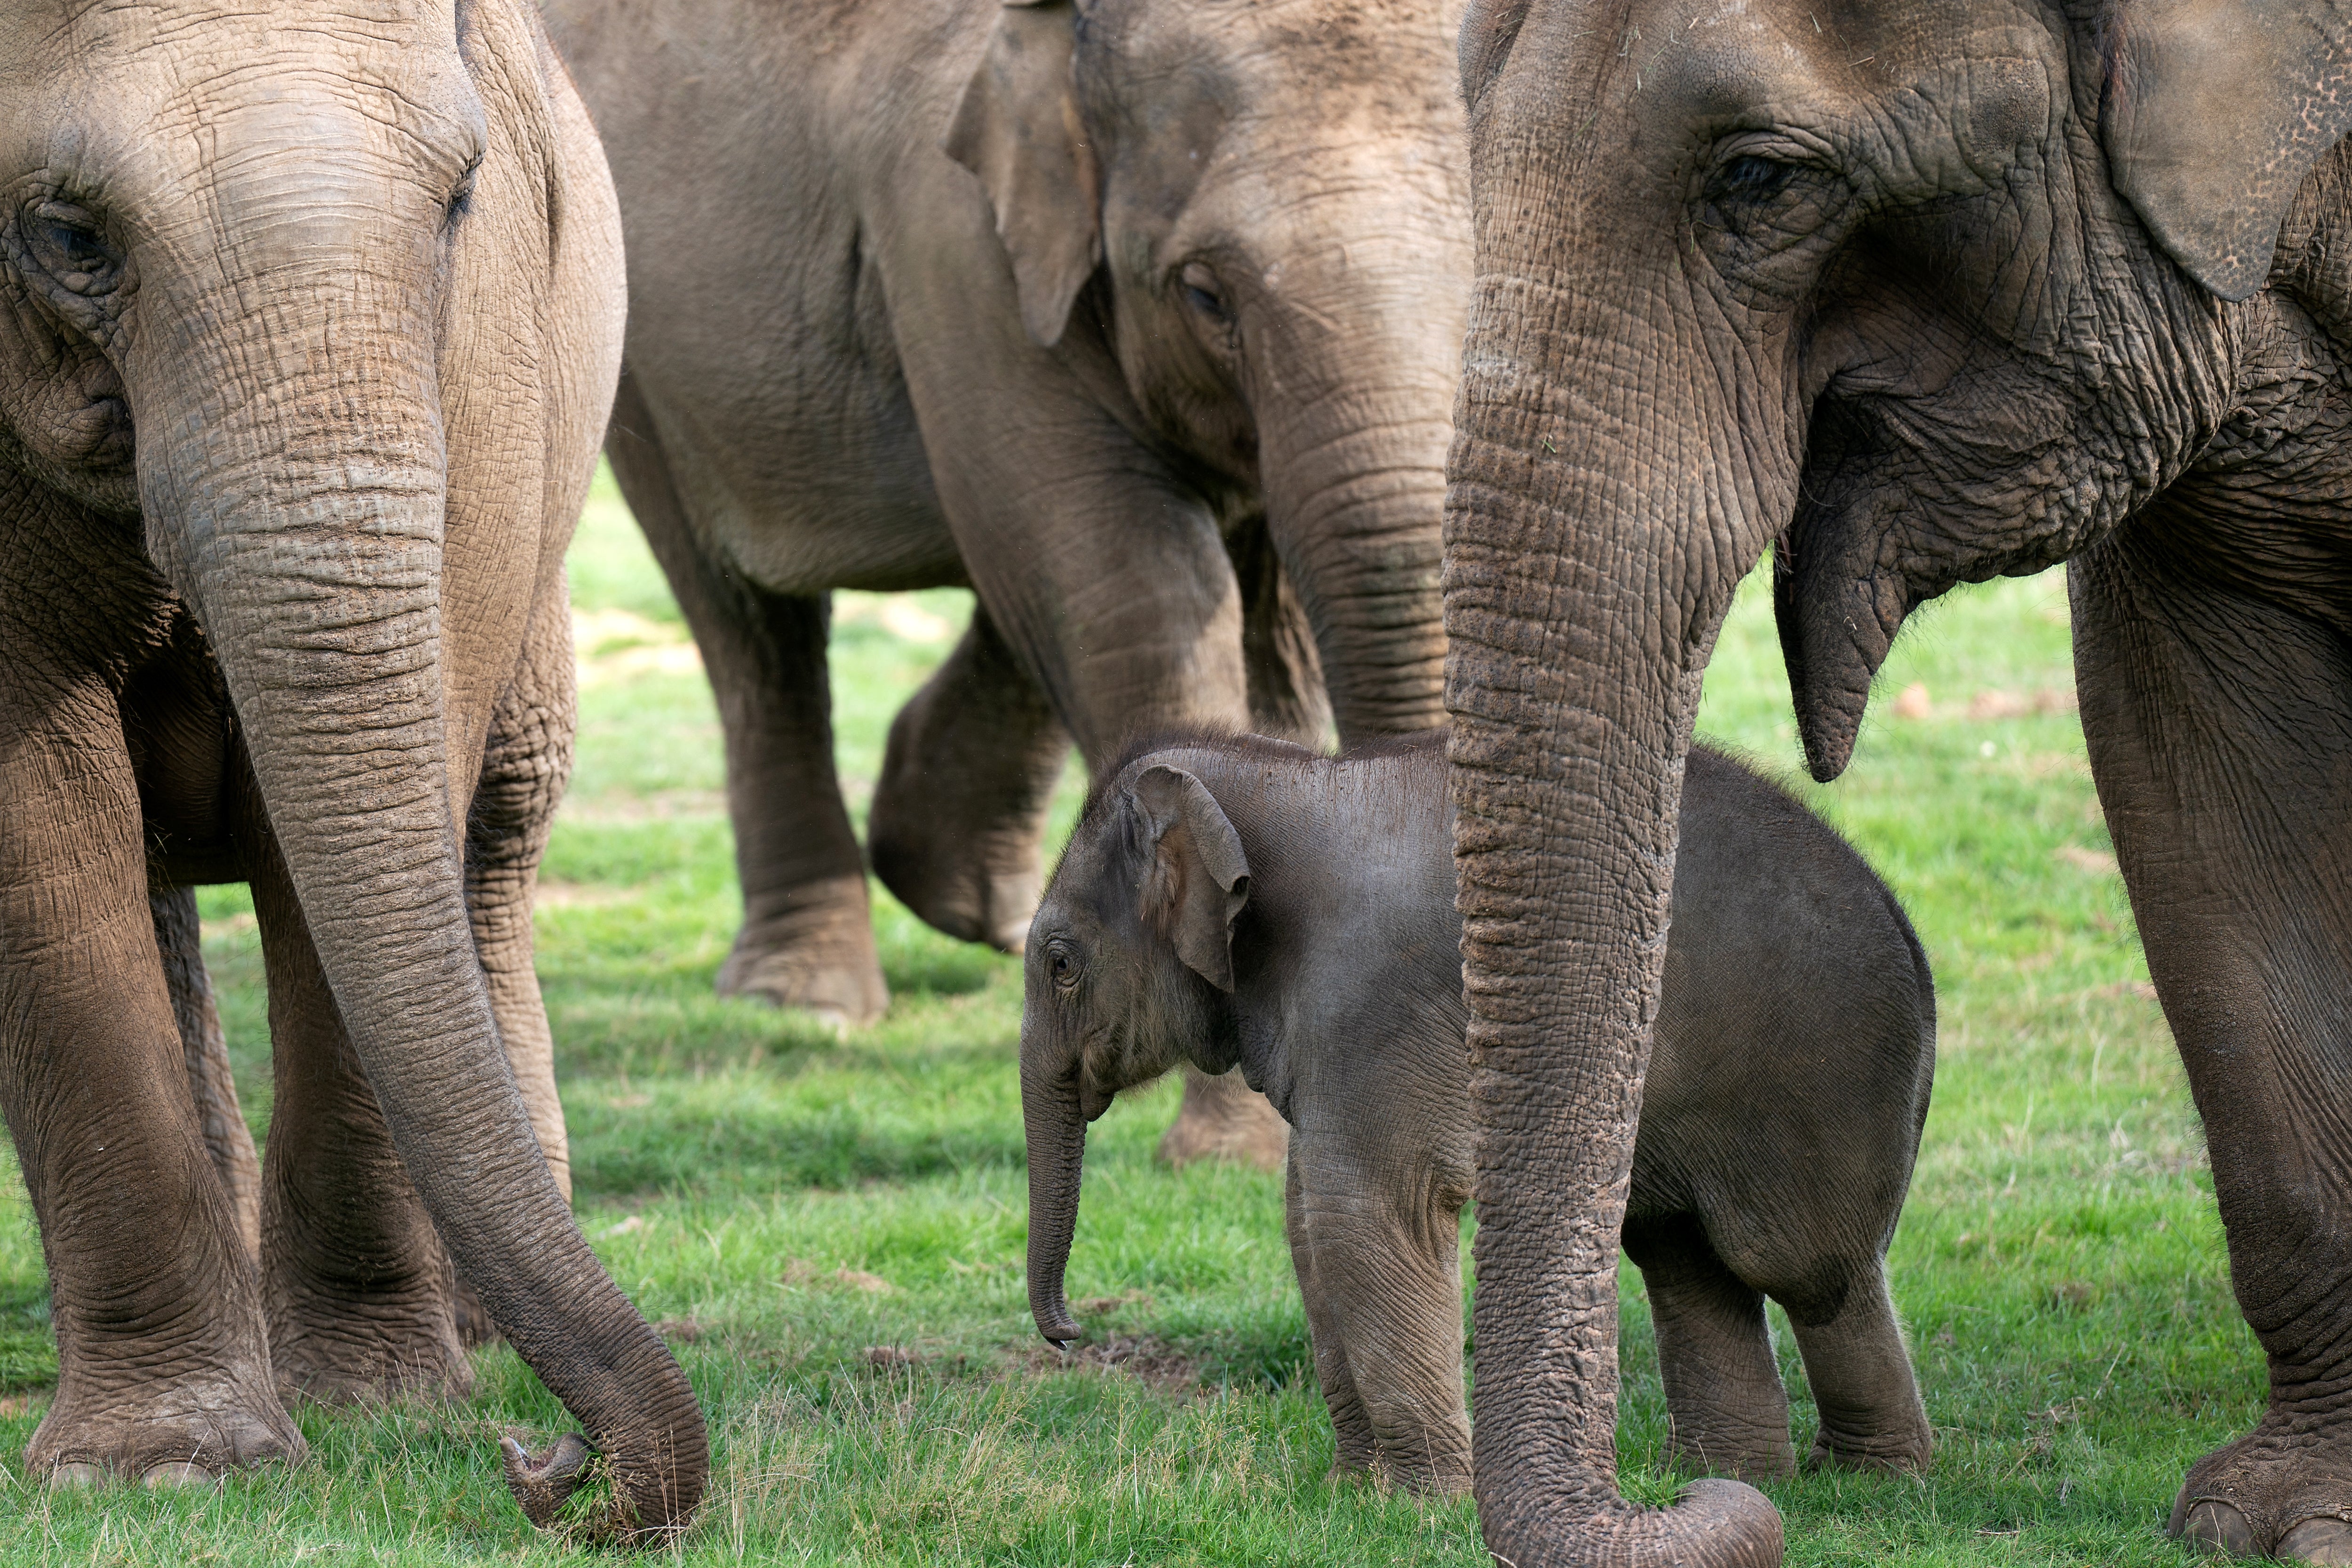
(1146, 1356)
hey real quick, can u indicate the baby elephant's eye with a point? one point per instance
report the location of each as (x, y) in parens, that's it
(1062, 967)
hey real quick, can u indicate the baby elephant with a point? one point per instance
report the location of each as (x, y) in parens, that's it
(1239, 900)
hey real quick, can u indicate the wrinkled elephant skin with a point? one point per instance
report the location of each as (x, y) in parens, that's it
(1927, 293)
(302, 370)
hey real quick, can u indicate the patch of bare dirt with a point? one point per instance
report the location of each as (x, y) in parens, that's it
(1145, 1356)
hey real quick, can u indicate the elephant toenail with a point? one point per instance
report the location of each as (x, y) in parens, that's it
(2324, 1541)
(2219, 1527)
(178, 1473)
(78, 1476)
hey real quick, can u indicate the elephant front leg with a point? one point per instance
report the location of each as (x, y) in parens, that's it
(959, 818)
(1728, 1413)
(163, 1367)
(1353, 1449)
(807, 938)
(2221, 735)
(359, 1293)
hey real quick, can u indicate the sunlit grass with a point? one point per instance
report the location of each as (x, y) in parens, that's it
(838, 1224)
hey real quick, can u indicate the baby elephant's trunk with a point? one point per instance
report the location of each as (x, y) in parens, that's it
(1056, 1126)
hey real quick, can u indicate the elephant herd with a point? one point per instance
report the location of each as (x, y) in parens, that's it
(1267, 369)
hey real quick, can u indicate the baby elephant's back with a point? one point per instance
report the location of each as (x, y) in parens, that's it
(1795, 1044)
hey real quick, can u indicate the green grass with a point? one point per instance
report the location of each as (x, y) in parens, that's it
(804, 1200)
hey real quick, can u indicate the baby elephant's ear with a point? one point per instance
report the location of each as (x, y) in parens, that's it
(2216, 110)
(1197, 880)
(1018, 130)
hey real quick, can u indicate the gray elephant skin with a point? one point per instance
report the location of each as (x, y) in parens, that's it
(1925, 293)
(1141, 320)
(302, 368)
(1242, 901)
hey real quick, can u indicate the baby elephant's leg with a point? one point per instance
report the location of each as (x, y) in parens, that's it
(1383, 1262)
(1861, 1376)
(1352, 1427)
(1729, 1413)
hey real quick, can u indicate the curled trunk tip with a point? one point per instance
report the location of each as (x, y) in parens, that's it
(1713, 1523)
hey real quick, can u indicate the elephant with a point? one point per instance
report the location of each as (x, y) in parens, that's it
(1241, 900)
(303, 367)
(1915, 293)
(1141, 320)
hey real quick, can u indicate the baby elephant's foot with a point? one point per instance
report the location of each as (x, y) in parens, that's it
(814, 954)
(173, 1434)
(2276, 1492)
(1224, 1118)
(1900, 1451)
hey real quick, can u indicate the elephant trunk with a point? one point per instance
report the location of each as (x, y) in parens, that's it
(1355, 492)
(1588, 565)
(1055, 1123)
(292, 466)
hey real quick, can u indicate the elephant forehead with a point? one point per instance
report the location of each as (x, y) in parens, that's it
(1721, 66)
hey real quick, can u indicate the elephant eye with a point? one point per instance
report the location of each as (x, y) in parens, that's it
(1203, 292)
(1062, 967)
(67, 242)
(1753, 179)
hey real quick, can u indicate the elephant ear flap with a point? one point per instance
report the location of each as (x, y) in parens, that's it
(1018, 128)
(2215, 111)
(1198, 878)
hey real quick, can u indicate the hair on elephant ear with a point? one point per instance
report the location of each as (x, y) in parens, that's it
(2215, 111)
(1197, 879)
(1018, 128)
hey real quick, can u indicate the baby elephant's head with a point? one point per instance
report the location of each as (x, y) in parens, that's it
(1128, 958)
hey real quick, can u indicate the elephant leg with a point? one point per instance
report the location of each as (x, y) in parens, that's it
(179, 939)
(359, 1290)
(807, 938)
(1287, 697)
(1729, 1415)
(2221, 736)
(959, 818)
(1352, 1429)
(1222, 1118)
(526, 763)
(1383, 1258)
(163, 1367)
(1859, 1373)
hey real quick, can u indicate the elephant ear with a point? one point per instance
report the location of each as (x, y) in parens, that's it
(2215, 111)
(1198, 878)
(1018, 128)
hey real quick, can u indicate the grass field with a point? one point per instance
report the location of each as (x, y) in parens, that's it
(841, 1221)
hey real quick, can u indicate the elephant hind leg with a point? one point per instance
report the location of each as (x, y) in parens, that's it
(179, 939)
(807, 939)
(957, 826)
(1729, 1413)
(1862, 1385)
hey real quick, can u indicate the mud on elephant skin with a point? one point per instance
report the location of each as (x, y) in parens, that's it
(302, 370)
(1142, 320)
(1242, 900)
(1927, 292)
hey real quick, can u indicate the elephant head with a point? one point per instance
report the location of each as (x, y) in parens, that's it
(1129, 963)
(1928, 291)
(1249, 223)
(252, 260)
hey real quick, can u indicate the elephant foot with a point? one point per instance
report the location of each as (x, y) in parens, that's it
(177, 1433)
(1224, 1118)
(361, 1351)
(976, 881)
(1758, 1456)
(2276, 1492)
(1886, 1453)
(815, 954)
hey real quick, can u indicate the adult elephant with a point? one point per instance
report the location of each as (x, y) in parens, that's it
(1929, 291)
(1143, 320)
(312, 320)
